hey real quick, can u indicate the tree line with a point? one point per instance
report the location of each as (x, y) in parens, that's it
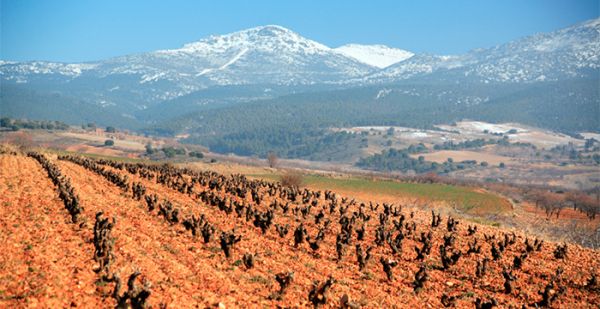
(400, 160)
(18, 124)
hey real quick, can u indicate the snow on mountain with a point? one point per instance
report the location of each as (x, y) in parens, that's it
(266, 38)
(12, 69)
(278, 56)
(567, 53)
(380, 56)
(419, 65)
(267, 54)
(261, 55)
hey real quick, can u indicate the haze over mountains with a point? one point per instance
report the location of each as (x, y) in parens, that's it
(273, 63)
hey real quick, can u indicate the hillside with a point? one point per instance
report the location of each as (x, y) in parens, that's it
(177, 226)
(572, 52)
(297, 118)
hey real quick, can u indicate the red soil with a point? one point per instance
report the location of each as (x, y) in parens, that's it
(44, 259)
(185, 272)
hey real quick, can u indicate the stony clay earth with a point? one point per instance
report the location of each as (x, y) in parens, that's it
(46, 260)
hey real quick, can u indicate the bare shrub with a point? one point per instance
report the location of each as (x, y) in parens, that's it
(581, 234)
(292, 179)
(272, 160)
(573, 232)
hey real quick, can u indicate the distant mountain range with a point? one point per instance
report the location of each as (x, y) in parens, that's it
(573, 52)
(261, 55)
(268, 62)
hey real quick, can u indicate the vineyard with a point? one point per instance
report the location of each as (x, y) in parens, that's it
(98, 233)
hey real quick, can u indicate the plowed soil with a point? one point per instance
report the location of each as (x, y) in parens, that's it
(44, 259)
(47, 261)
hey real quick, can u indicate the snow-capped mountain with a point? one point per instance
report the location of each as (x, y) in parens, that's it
(262, 55)
(567, 53)
(380, 56)
(271, 61)
(276, 55)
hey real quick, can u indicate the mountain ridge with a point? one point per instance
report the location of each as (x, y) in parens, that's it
(251, 63)
(552, 56)
(213, 60)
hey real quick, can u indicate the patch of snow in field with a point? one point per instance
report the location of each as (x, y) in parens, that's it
(482, 126)
(416, 134)
(589, 135)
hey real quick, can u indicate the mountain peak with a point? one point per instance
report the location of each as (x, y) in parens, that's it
(272, 38)
(271, 30)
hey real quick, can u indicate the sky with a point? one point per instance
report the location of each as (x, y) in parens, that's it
(83, 30)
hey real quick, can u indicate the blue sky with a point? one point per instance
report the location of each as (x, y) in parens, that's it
(82, 30)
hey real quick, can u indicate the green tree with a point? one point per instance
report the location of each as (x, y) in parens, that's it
(5, 122)
(169, 152)
(149, 149)
(196, 154)
(588, 143)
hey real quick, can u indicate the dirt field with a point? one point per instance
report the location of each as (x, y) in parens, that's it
(525, 134)
(45, 260)
(104, 151)
(124, 141)
(48, 261)
(526, 165)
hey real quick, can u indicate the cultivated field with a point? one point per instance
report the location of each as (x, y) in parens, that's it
(187, 238)
(525, 165)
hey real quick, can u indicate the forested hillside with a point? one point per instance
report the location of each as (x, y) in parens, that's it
(279, 124)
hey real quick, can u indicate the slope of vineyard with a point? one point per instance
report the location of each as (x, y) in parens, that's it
(44, 260)
(176, 226)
